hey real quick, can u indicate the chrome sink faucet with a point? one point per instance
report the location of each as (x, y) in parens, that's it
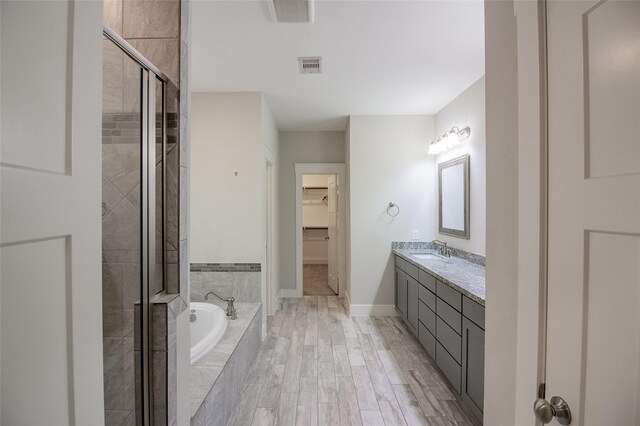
(231, 310)
(442, 248)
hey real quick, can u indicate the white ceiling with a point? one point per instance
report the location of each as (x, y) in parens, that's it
(378, 57)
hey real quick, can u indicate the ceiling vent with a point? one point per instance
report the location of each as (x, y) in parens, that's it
(310, 65)
(291, 10)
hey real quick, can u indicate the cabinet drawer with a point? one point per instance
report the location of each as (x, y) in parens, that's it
(400, 263)
(448, 366)
(427, 317)
(449, 295)
(450, 340)
(427, 280)
(449, 315)
(411, 270)
(428, 298)
(427, 340)
(474, 311)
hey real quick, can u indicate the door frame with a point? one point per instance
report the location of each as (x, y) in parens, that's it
(515, 41)
(268, 234)
(337, 169)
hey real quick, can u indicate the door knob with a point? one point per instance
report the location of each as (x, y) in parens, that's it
(545, 411)
(326, 238)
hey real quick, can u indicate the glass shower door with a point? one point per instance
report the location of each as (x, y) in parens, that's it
(132, 231)
(121, 233)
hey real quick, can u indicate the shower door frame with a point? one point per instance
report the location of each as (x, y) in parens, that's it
(149, 74)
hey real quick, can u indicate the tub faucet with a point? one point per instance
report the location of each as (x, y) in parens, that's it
(231, 310)
(442, 248)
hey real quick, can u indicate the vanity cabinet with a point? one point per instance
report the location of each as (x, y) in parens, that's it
(449, 333)
(473, 366)
(412, 303)
(450, 327)
(407, 290)
(401, 292)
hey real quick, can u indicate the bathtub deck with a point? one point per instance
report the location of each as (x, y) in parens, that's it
(207, 370)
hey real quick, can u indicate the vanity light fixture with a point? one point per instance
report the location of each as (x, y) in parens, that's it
(448, 140)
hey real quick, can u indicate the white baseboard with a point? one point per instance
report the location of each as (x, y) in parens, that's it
(372, 310)
(289, 292)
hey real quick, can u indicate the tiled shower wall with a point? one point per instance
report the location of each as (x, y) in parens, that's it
(240, 280)
(154, 28)
(159, 30)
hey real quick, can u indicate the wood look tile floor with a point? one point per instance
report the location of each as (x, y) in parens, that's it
(319, 366)
(315, 280)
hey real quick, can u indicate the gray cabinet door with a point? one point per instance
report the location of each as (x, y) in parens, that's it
(401, 292)
(412, 302)
(473, 367)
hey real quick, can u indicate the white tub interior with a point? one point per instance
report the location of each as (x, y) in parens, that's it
(207, 329)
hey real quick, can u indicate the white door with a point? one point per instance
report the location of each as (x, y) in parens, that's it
(593, 352)
(50, 293)
(332, 201)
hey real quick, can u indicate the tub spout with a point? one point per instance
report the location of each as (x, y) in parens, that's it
(231, 310)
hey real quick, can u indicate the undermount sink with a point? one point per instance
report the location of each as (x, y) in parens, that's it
(428, 256)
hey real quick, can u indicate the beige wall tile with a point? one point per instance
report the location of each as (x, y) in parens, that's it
(151, 19)
(112, 15)
(163, 53)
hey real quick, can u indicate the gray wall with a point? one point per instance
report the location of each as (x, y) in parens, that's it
(299, 147)
(468, 109)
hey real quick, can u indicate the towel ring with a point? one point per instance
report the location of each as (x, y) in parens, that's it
(392, 206)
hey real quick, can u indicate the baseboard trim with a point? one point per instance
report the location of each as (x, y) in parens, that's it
(372, 310)
(289, 292)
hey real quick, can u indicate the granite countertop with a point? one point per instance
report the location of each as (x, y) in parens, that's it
(462, 275)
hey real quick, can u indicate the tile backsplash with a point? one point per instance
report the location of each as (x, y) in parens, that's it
(239, 280)
(428, 245)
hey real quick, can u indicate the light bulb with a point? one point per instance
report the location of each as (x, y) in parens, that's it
(434, 148)
(449, 141)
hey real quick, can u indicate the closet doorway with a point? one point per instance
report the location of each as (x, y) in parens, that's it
(319, 219)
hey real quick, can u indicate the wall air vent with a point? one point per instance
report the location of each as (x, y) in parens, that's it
(291, 10)
(310, 65)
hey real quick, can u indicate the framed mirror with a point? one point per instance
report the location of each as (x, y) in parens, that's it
(453, 205)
